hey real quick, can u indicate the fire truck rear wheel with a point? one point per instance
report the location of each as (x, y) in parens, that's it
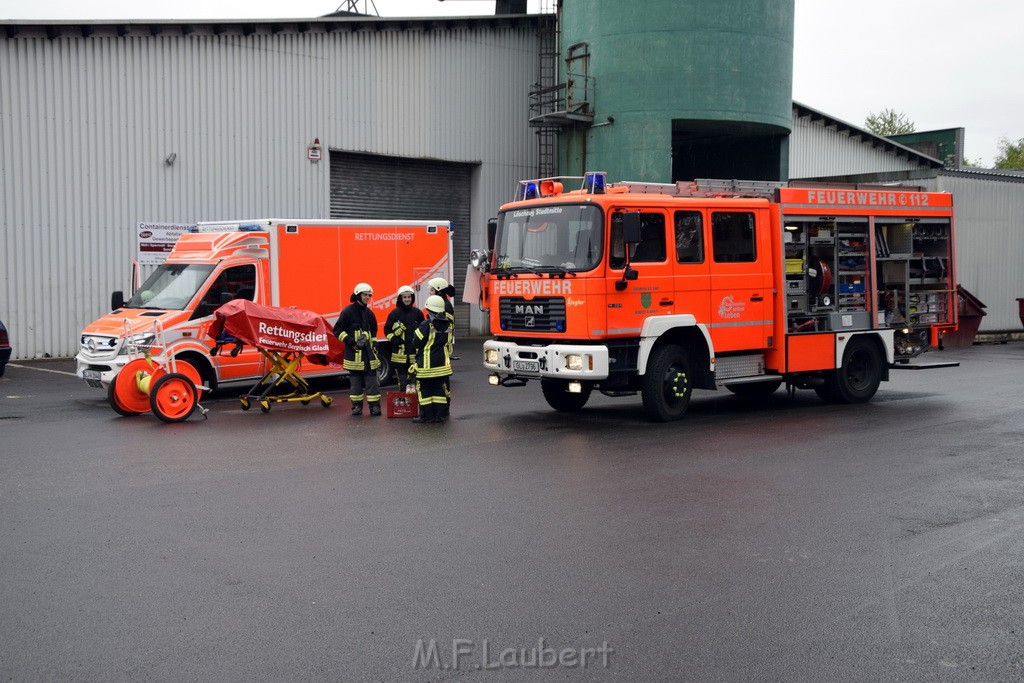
(556, 393)
(858, 378)
(667, 384)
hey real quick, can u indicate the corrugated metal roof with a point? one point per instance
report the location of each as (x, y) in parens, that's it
(866, 137)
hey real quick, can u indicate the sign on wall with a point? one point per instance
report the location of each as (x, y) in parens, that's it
(156, 240)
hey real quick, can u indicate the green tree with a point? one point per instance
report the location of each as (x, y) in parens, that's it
(889, 122)
(1011, 154)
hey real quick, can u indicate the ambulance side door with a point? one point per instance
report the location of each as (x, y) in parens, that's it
(239, 281)
(740, 311)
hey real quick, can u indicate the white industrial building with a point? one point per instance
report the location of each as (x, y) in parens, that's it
(104, 125)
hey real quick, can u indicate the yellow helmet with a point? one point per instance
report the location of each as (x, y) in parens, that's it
(439, 284)
(435, 304)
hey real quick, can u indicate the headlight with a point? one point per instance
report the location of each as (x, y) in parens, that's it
(574, 361)
(144, 339)
(491, 356)
(479, 259)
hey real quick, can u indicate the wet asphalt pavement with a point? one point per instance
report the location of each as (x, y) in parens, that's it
(780, 540)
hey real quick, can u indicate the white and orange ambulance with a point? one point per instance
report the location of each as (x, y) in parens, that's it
(308, 264)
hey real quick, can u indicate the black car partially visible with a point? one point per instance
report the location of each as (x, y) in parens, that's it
(5, 348)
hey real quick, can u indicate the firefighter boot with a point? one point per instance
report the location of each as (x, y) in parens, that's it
(375, 409)
(426, 415)
(441, 412)
(357, 408)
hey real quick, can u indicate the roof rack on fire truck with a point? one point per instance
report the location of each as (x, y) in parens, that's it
(594, 182)
(708, 187)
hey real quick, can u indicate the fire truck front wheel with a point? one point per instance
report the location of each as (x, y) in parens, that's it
(667, 384)
(556, 393)
(858, 378)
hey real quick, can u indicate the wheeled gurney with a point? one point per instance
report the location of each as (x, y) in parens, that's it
(284, 337)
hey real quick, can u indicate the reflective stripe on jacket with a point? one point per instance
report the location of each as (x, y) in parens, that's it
(432, 345)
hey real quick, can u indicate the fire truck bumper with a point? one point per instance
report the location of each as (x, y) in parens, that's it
(554, 361)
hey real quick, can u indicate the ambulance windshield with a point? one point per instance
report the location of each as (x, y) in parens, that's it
(549, 239)
(170, 287)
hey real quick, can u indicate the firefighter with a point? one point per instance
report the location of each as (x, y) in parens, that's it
(440, 287)
(400, 329)
(433, 365)
(356, 327)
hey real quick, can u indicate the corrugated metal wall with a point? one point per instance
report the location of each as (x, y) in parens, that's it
(989, 218)
(367, 185)
(88, 122)
(817, 150)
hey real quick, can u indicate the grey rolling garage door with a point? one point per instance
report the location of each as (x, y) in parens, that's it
(382, 187)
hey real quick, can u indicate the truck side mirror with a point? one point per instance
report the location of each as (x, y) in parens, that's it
(630, 235)
(117, 300)
(631, 227)
(492, 232)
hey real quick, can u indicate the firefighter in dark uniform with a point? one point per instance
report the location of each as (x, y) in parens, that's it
(400, 329)
(433, 366)
(440, 287)
(356, 327)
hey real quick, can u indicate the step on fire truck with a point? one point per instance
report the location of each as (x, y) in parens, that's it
(659, 289)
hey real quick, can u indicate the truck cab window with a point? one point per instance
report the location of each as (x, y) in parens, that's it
(732, 235)
(689, 237)
(651, 247)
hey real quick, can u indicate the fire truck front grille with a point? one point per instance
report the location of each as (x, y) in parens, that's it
(540, 314)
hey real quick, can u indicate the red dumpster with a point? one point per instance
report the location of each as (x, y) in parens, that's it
(970, 313)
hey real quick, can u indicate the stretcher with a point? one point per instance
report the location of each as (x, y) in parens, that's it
(285, 337)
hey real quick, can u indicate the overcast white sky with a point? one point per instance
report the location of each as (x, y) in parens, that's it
(944, 63)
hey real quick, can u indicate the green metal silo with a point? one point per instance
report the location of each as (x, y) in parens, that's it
(676, 89)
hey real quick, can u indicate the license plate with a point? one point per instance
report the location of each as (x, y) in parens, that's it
(526, 365)
(91, 374)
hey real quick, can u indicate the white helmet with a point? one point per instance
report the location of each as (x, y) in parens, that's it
(435, 304)
(439, 284)
(362, 288)
(406, 289)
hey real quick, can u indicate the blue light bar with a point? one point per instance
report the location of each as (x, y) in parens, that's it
(593, 183)
(532, 190)
(249, 227)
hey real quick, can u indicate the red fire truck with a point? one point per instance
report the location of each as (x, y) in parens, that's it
(659, 289)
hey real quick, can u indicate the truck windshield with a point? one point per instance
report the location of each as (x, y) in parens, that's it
(549, 239)
(170, 287)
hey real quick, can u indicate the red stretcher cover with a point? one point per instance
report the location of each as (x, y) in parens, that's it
(278, 329)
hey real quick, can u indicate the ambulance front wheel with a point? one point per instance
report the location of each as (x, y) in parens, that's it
(173, 397)
(384, 371)
(556, 393)
(668, 384)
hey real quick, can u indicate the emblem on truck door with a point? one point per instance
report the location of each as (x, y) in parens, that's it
(729, 308)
